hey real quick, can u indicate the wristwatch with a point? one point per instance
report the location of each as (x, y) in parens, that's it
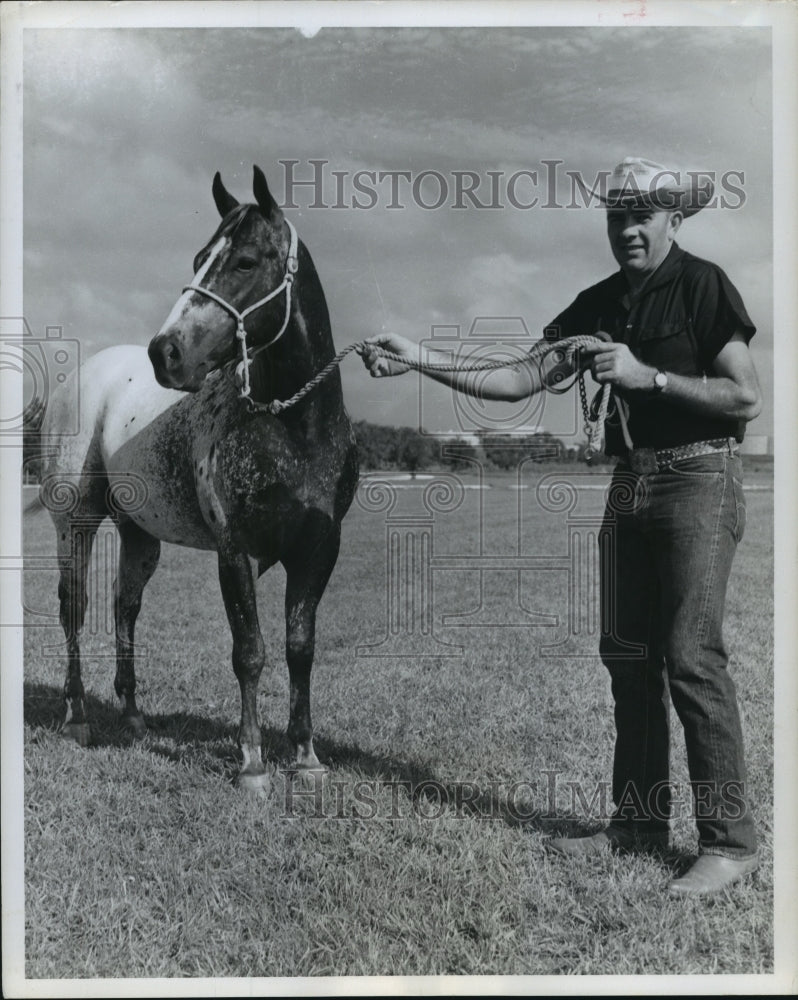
(660, 381)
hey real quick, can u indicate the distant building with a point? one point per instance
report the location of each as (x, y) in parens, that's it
(524, 431)
(462, 437)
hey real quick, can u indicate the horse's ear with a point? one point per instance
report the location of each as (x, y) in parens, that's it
(263, 196)
(225, 202)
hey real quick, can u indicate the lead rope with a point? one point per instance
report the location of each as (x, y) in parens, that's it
(594, 427)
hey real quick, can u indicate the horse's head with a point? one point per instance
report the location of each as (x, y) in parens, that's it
(242, 279)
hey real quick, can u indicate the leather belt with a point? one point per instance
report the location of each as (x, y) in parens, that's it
(647, 460)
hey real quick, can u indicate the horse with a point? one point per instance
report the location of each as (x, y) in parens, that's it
(178, 443)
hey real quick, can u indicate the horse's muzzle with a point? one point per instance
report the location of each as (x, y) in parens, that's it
(168, 363)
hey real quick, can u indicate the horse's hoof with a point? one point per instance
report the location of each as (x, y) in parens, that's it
(135, 726)
(254, 784)
(309, 777)
(77, 731)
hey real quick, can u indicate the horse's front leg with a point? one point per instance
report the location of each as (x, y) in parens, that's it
(249, 656)
(307, 573)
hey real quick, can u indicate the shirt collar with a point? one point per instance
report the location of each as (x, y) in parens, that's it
(665, 273)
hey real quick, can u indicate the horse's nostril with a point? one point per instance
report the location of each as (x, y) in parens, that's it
(164, 353)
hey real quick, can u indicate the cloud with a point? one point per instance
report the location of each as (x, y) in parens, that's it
(124, 130)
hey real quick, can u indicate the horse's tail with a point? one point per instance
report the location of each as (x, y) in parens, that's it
(32, 450)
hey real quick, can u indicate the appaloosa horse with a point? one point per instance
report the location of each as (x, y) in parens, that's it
(178, 447)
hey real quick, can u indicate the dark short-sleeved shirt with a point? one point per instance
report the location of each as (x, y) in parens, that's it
(687, 313)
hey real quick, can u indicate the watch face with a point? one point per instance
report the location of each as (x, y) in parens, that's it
(660, 380)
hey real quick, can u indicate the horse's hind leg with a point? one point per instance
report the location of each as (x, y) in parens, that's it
(138, 558)
(76, 536)
(249, 657)
(308, 571)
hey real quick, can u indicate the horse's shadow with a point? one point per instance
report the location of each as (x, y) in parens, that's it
(178, 736)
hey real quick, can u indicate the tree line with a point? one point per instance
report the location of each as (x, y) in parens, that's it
(406, 448)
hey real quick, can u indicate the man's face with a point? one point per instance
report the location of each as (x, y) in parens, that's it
(641, 237)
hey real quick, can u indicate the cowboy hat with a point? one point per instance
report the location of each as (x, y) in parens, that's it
(638, 182)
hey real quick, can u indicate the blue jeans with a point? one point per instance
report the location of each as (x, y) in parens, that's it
(667, 544)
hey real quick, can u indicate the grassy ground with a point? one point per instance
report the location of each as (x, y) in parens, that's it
(423, 852)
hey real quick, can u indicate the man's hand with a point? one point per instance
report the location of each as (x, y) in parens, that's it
(379, 366)
(615, 363)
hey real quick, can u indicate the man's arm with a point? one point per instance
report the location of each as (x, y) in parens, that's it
(732, 391)
(506, 384)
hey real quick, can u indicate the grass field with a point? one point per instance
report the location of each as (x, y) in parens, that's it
(423, 854)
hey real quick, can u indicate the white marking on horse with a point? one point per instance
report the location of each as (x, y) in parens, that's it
(206, 490)
(179, 308)
(251, 755)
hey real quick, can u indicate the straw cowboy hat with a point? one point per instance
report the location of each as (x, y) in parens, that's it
(639, 182)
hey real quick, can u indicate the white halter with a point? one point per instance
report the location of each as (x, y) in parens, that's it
(291, 267)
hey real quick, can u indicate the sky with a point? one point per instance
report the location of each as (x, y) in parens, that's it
(124, 129)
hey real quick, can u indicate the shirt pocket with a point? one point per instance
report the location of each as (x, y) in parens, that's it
(669, 347)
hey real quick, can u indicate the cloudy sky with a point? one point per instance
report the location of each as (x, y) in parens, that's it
(124, 129)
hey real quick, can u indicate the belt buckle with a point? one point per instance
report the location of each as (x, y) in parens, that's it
(643, 461)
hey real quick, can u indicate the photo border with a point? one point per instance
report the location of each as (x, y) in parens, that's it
(17, 17)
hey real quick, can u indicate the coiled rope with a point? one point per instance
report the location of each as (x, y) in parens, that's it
(594, 425)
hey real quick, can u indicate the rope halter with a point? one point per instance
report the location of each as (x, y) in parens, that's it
(291, 267)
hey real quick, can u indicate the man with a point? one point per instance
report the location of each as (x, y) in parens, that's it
(679, 365)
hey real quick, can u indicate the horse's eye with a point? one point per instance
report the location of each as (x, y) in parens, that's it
(246, 263)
